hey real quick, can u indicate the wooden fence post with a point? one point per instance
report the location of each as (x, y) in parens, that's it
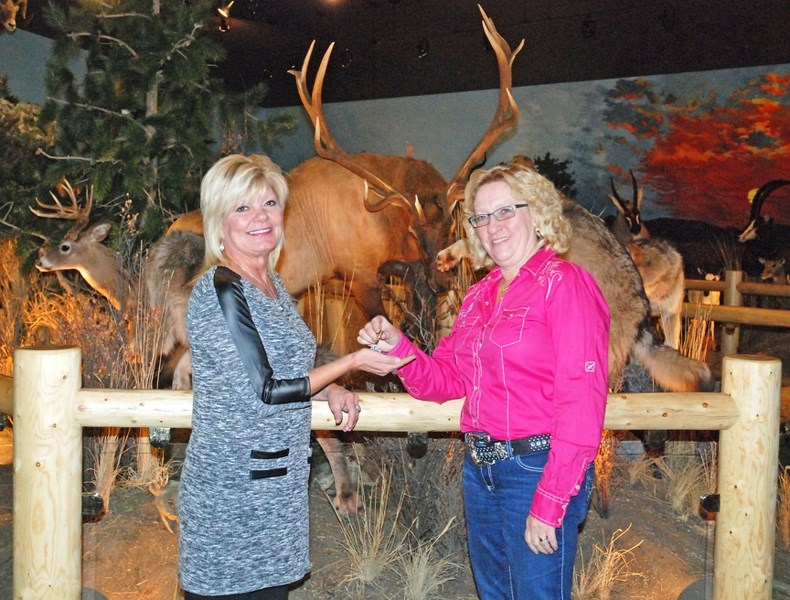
(730, 332)
(47, 475)
(748, 470)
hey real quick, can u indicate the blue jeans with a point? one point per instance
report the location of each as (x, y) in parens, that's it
(497, 500)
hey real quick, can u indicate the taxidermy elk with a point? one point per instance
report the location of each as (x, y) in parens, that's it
(356, 217)
(596, 249)
(659, 263)
(334, 227)
(9, 11)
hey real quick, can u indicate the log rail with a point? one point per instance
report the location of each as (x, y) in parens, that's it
(50, 408)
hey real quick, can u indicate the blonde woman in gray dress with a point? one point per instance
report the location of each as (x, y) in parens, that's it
(244, 498)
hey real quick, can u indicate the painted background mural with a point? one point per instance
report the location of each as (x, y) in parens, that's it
(697, 142)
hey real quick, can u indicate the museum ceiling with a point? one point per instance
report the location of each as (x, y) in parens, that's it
(393, 48)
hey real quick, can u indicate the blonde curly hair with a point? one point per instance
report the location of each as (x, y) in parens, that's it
(529, 187)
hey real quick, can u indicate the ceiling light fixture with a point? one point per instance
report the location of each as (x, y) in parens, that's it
(224, 15)
(423, 49)
(224, 11)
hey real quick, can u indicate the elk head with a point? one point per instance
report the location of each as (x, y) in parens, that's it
(9, 11)
(628, 225)
(80, 250)
(426, 201)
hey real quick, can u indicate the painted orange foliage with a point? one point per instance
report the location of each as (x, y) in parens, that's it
(705, 163)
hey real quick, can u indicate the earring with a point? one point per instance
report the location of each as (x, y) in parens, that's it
(538, 233)
(222, 244)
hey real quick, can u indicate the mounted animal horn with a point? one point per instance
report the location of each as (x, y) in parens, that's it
(327, 147)
(505, 117)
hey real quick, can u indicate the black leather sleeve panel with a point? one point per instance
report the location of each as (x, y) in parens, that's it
(248, 342)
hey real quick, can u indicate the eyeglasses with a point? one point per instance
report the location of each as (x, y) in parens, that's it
(500, 214)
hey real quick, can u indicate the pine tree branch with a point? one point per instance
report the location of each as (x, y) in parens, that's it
(93, 161)
(101, 37)
(100, 109)
(183, 43)
(121, 15)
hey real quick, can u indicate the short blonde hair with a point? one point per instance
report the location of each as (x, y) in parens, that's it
(227, 182)
(529, 187)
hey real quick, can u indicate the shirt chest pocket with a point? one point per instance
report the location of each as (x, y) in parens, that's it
(509, 327)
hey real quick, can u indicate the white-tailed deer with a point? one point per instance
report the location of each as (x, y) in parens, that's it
(10, 11)
(171, 266)
(659, 263)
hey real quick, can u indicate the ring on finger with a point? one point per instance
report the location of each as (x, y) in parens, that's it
(543, 540)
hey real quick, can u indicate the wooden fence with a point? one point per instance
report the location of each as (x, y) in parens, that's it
(50, 408)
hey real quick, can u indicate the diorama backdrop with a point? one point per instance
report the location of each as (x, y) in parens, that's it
(697, 142)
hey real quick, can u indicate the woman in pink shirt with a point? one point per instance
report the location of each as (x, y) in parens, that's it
(528, 352)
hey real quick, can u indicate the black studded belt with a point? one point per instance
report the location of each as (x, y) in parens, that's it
(485, 451)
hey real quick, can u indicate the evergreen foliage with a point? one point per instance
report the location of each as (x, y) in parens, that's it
(558, 173)
(151, 113)
(21, 168)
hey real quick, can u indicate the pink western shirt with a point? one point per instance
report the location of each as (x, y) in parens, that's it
(536, 362)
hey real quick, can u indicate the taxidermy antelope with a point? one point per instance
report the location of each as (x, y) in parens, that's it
(773, 270)
(761, 236)
(755, 228)
(659, 263)
(9, 11)
(596, 249)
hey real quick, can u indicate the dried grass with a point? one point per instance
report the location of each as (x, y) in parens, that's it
(642, 472)
(783, 509)
(685, 480)
(698, 336)
(373, 539)
(107, 461)
(425, 569)
(608, 567)
(432, 485)
(604, 470)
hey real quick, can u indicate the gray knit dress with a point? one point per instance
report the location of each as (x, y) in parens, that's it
(243, 502)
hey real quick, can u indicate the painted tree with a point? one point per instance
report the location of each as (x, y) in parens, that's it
(150, 113)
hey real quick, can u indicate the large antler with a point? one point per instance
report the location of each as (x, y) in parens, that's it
(69, 213)
(506, 112)
(327, 147)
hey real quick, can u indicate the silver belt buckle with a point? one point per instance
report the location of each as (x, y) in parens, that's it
(483, 451)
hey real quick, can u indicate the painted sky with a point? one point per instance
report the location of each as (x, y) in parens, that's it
(697, 142)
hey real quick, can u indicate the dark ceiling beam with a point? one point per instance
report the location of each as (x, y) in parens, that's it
(392, 48)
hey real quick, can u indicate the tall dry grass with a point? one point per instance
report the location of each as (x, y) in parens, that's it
(685, 480)
(604, 471)
(783, 509)
(432, 485)
(424, 569)
(374, 538)
(610, 565)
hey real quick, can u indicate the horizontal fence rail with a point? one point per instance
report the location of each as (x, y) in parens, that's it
(50, 409)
